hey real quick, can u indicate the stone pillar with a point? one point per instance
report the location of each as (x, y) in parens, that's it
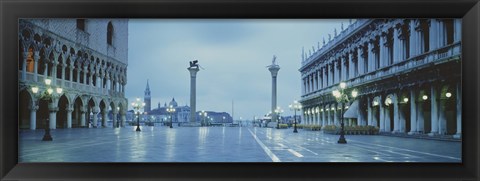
(351, 65)
(420, 37)
(336, 115)
(83, 111)
(325, 75)
(33, 115)
(63, 74)
(104, 117)
(95, 112)
(24, 65)
(123, 119)
(374, 117)
(53, 109)
(413, 42)
(274, 71)
(457, 30)
(387, 124)
(71, 74)
(458, 102)
(433, 35)
(396, 113)
(36, 58)
(382, 115)
(193, 92)
(413, 112)
(369, 112)
(371, 58)
(396, 43)
(420, 118)
(303, 86)
(383, 51)
(442, 33)
(343, 62)
(442, 120)
(434, 106)
(360, 60)
(324, 120)
(329, 117)
(69, 115)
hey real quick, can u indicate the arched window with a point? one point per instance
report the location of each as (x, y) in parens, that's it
(109, 33)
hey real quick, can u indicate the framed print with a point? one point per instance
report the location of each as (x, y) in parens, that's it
(239, 90)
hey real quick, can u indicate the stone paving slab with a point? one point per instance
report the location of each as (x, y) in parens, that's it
(226, 144)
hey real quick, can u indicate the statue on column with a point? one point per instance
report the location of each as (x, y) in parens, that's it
(194, 64)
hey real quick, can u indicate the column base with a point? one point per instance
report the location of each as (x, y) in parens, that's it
(412, 133)
(458, 136)
(433, 134)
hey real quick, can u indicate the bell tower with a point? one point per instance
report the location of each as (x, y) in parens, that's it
(147, 99)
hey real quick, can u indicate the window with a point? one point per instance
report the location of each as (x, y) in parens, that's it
(81, 24)
(109, 33)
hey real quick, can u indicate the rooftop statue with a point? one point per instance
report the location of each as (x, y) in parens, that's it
(194, 63)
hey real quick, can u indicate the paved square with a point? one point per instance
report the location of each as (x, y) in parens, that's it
(226, 144)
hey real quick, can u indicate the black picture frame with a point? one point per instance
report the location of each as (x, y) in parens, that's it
(469, 10)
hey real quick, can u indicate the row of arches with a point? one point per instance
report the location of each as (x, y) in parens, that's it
(70, 110)
(430, 109)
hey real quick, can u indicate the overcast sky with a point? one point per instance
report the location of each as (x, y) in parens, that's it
(234, 55)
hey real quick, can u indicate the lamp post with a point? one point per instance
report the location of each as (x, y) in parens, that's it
(295, 106)
(48, 94)
(171, 110)
(278, 111)
(204, 115)
(343, 98)
(137, 105)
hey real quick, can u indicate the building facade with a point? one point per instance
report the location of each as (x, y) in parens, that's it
(86, 58)
(407, 73)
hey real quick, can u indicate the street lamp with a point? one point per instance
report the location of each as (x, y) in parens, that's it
(171, 110)
(296, 106)
(204, 115)
(278, 111)
(343, 98)
(137, 105)
(48, 94)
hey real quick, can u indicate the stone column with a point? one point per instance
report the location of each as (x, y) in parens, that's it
(420, 37)
(324, 120)
(303, 86)
(457, 30)
(69, 115)
(123, 119)
(396, 43)
(442, 33)
(442, 120)
(36, 58)
(396, 113)
(329, 117)
(351, 65)
(433, 35)
(382, 115)
(53, 109)
(434, 111)
(458, 102)
(24, 65)
(325, 75)
(83, 111)
(413, 112)
(343, 62)
(413, 38)
(371, 60)
(420, 117)
(33, 115)
(115, 118)
(360, 60)
(369, 112)
(383, 50)
(336, 115)
(387, 124)
(274, 71)
(193, 92)
(95, 112)
(104, 117)
(63, 73)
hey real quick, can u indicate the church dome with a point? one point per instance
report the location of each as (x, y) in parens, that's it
(173, 103)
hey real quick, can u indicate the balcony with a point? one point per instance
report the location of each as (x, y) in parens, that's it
(69, 86)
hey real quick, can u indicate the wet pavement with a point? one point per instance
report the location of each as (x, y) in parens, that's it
(226, 144)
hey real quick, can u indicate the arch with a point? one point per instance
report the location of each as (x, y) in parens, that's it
(103, 112)
(37, 38)
(110, 31)
(63, 104)
(78, 105)
(26, 34)
(60, 61)
(25, 102)
(91, 105)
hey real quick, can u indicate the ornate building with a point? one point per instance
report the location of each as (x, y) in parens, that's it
(407, 73)
(87, 58)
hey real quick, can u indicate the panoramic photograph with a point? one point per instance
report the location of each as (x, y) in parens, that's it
(240, 90)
